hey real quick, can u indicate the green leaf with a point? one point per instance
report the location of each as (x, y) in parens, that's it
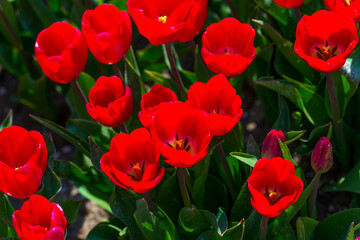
(293, 136)
(71, 137)
(252, 226)
(95, 154)
(70, 207)
(194, 221)
(10, 59)
(10, 15)
(123, 205)
(287, 49)
(222, 221)
(201, 72)
(286, 216)
(300, 229)
(161, 79)
(8, 120)
(350, 235)
(283, 122)
(242, 207)
(253, 148)
(109, 229)
(3, 211)
(303, 95)
(245, 158)
(51, 184)
(305, 227)
(337, 225)
(286, 152)
(236, 232)
(42, 11)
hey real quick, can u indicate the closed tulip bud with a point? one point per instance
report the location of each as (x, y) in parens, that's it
(270, 147)
(322, 156)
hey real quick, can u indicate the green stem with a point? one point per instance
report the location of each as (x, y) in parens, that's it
(226, 167)
(232, 8)
(123, 128)
(80, 93)
(263, 228)
(297, 14)
(312, 198)
(150, 203)
(175, 72)
(117, 71)
(183, 189)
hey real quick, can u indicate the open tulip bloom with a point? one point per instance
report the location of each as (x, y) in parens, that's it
(23, 161)
(168, 21)
(228, 47)
(350, 8)
(273, 186)
(61, 52)
(325, 39)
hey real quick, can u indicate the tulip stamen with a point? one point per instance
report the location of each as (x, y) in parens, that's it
(272, 196)
(325, 52)
(180, 144)
(162, 19)
(347, 3)
(137, 171)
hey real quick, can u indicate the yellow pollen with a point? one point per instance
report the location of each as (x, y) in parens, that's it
(325, 49)
(162, 19)
(347, 2)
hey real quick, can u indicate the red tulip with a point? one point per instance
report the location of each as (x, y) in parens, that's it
(322, 156)
(39, 219)
(150, 102)
(23, 161)
(228, 47)
(133, 161)
(108, 32)
(182, 133)
(109, 102)
(219, 100)
(273, 186)
(61, 52)
(289, 3)
(325, 40)
(270, 147)
(168, 21)
(350, 8)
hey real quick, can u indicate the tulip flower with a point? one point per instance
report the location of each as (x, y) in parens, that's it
(133, 161)
(23, 161)
(273, 186)
(150, 102)
(325, 39)
(168, 21)
(270, 147)
(109, 102)
(349, 8)
(39, 219)
(228, 47)
(108, 33)
(218, 99)
(61, 52)
(182, 133)
(322, 156)
(289, 3)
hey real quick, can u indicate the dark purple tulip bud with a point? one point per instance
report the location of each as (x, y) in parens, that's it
(270, 147)
(322, 156)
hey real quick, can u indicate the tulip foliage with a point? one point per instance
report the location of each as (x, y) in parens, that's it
(158, 99)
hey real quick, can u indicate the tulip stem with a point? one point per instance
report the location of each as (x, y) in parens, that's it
(226, 167)
(297, 13)
(263, 228)
(150, 203)
(232, 8)
(334, 102)
(117, 71)
(312, 198)
(183, 189)
(79, 92)
(123, 128)
(175, 72)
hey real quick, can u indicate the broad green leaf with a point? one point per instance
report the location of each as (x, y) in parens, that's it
(201, 72)
(350, 235)
(71, 137)
(252, 226)
(236, 232)
(51, 184)
(123, 205)
(222, 221)
(194, 221)
(10, 59)
(95, 154)
(70, 207)
(287, 49)
(42, 11)
(10, 15)
(276, 11)
(109, 229)
(293, 136)
(245, 158)
(283, 122)
(305, 227)
(286, 216)
(161, 79)
(337, 225)
(3, 211)
(242, 207)
(304, 96)
(300, 229)
(8, 120)
(120, 4)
